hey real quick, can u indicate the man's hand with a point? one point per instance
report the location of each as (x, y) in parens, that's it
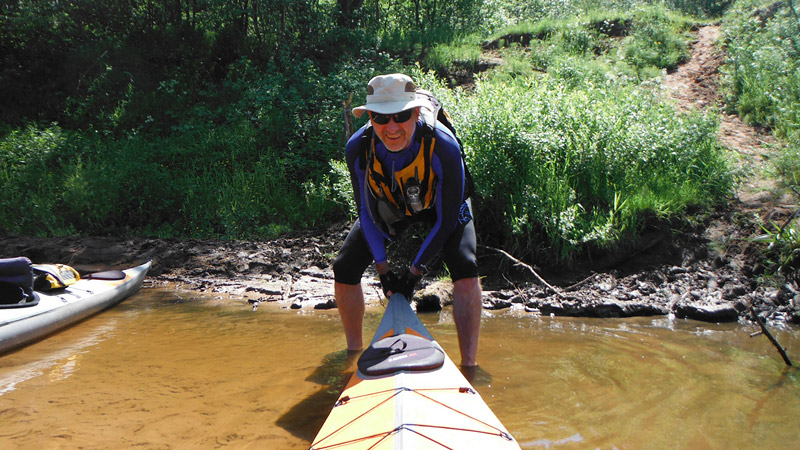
(406, 283)
(389, 282)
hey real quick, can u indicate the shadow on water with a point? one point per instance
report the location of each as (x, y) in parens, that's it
(306, 418)
(790, 376)
(476, 376)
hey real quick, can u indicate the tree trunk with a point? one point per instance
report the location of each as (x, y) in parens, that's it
(347, 9)
(257, 22)
(244, 19)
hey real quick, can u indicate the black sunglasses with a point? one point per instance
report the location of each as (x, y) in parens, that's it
(383, 119)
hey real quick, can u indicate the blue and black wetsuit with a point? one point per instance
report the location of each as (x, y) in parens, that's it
(452, 231)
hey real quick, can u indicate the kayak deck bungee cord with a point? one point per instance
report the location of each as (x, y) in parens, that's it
(408, 394)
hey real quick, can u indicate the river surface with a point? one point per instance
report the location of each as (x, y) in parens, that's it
(169, 369)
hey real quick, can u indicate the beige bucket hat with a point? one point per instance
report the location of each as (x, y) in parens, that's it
(389, 94)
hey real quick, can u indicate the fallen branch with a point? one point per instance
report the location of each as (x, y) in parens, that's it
(580, 283)
(769, 335)
(520, 263)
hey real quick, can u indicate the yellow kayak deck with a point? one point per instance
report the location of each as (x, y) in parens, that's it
(413, 402)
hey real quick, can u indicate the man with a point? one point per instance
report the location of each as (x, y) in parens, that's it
(405, 169)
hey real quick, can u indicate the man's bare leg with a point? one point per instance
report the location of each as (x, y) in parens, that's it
(467, 315)
(350, 301)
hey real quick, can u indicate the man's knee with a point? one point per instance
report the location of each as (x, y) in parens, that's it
(466, 286)
(344, 271)
(464, 267)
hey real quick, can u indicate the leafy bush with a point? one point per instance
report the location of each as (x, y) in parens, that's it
(200, 183)
(342, 192)
(576, 39)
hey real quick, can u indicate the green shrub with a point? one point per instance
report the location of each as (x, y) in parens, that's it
(763, 67)
(630, 46)
(201, 183)
(342, 192)
(576, 39)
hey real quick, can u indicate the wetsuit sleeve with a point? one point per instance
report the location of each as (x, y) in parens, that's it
(448, 166)
(373, 235)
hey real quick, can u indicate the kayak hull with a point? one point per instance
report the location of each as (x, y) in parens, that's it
(411, 409)
(59, 309)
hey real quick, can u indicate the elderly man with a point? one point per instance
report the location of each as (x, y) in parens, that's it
(406, 169)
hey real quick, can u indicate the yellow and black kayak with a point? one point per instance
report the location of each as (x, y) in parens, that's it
(43, 312)
(408, 394)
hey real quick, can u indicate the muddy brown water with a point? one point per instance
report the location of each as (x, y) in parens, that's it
(169, 369)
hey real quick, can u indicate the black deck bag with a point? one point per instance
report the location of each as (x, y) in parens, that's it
(16, 283)
(402, 352)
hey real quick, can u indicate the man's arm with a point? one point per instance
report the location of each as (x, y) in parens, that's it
(448, 165)
(373, 235)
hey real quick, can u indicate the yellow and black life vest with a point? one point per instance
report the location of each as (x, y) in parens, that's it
(413, 188)
(392, 193)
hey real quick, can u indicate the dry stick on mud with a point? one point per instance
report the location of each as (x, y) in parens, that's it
(520, 263)
(519, 291)
(769, 335)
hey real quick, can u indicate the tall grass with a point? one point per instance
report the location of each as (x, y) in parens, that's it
(446, 56)
(762, 71)
(561, 171)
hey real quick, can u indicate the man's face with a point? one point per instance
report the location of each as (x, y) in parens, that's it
(395, 136)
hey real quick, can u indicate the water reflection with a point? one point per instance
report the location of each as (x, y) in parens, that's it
(166, 369)
(58, 362)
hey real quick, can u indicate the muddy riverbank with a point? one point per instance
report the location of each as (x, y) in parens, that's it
(680, 272)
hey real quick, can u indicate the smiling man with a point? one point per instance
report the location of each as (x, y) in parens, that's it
(406, 167)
